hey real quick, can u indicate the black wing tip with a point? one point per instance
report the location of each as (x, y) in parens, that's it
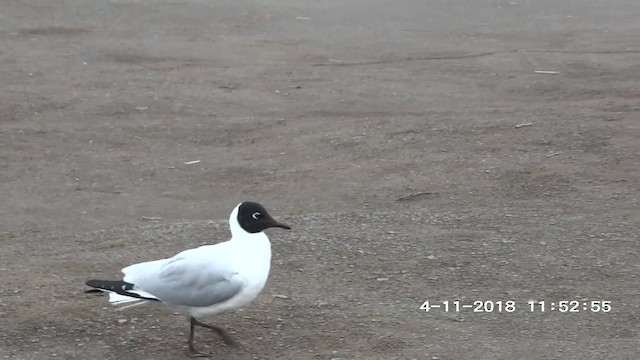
(116, 286)
(111, 285)
(97, 286)
(94, 283)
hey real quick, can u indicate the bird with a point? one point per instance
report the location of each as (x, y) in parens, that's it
(207, 280)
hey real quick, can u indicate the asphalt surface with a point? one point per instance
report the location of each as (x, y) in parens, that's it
(422, 150)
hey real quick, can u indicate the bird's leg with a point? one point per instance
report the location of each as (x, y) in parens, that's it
(193, 353)
(225, 335)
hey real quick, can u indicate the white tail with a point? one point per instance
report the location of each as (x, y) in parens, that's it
(117, 299)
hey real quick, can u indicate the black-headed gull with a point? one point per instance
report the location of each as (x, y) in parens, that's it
(207, 280)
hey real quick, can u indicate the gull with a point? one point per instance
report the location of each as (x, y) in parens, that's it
(207, 280)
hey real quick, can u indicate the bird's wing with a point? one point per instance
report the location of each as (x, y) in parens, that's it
(192, 278)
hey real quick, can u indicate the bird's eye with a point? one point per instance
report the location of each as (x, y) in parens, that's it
(256, 215)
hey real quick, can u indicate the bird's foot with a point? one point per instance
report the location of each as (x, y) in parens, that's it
(193, 353)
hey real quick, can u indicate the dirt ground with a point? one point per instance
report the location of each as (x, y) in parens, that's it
(418, 148)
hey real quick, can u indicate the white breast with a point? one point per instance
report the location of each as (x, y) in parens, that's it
(254, 250)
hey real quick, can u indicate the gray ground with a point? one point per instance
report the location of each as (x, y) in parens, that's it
(327, 112)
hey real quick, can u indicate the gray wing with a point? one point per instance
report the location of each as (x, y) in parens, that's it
(194, 282)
